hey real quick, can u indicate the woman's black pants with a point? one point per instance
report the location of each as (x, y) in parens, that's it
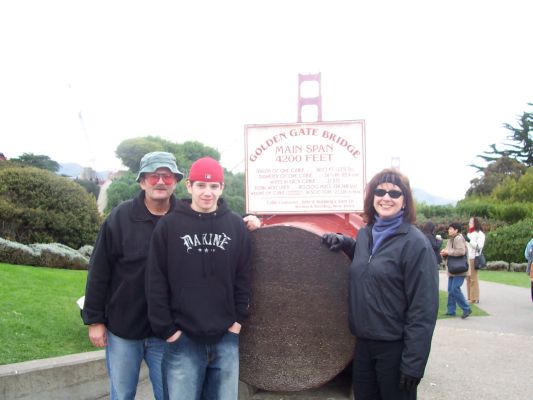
(376, 371)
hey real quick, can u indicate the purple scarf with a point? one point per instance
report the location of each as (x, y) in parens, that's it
(385, 228)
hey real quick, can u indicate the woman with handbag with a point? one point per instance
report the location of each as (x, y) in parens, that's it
(457, 267)
(475, 240)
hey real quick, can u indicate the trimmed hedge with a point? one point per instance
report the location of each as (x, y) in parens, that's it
(38, 206)
(508, 242)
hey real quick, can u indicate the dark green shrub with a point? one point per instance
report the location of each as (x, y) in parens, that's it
(481, 208)
(91, 187)
(235, 203)
(513, 212)
(494, 210)
(508, 242)
(121, 189)
(433, 212)
(38, 206)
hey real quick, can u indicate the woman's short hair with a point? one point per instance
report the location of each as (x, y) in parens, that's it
(395, 177)
(455, 225)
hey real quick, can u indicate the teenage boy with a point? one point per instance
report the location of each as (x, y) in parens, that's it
(198, 289)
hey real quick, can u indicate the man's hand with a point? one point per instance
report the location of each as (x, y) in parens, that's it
(333, 240)
(174, 337)
(408, 383)
(98, 335)
(252, 222)
(235, 328)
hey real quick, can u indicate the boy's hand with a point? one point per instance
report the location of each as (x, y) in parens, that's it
(235, 328)
(174, 337)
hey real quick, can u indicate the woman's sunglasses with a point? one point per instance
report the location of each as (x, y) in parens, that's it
(394, 194)
(153, 179)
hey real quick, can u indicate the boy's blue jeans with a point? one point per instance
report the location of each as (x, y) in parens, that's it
(194, 371)
(123, 360)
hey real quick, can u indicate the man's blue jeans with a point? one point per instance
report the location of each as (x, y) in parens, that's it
(455, 295)
(123, 359)
(194, 371)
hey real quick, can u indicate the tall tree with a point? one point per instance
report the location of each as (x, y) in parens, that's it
(38, 161)
(130, 151)
(520, 190)
(495, 173)
(520, 147)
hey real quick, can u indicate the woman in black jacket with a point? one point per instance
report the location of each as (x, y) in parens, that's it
(393, 297)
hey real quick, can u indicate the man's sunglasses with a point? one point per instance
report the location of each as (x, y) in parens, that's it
(394, 194)
(153, 179)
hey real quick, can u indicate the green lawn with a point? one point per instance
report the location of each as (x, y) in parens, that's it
(443, 300)
(39, 317)
(520, 279)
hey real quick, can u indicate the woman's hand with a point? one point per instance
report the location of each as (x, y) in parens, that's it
(333, 241)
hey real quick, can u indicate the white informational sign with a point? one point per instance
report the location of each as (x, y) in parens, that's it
(305, 168)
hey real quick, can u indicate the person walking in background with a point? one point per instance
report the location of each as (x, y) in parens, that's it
(435, 241)
(115, 305)
(456, 246)
(198, 289)
(475, 240)
(393, 292)
(528, 253)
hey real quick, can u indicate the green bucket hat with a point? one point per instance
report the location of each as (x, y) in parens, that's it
(159, 159)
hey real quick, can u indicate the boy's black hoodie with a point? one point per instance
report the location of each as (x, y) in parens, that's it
(198, 271)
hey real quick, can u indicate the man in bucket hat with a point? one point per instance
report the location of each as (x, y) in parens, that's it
(115, 302)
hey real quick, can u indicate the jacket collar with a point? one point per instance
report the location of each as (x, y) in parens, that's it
(139, 210)
(403, 228)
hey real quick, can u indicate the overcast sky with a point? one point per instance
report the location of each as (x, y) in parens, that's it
(434, 80)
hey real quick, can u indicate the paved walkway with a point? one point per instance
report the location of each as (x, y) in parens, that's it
(102, 197)
(479, 358)
(484, 358)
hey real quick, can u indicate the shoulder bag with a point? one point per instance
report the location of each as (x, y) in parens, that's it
(457, 264)
(479, 261)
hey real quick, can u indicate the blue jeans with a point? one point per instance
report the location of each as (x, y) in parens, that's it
(123, 360)
(455, 295)
(194, 371)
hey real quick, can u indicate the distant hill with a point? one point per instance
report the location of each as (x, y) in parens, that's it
(74, 170)
(424, 197)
